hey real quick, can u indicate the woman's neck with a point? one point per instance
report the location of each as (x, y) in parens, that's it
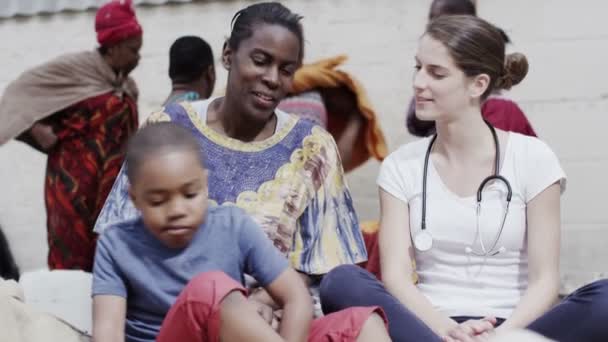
(110, 62)
(179, 91)
(196, 86)
(466, 139)
(229, 121)
(181, 88)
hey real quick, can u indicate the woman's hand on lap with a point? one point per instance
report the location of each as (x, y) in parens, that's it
(473, 330)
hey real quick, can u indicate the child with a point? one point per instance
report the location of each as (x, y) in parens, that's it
(176, 274)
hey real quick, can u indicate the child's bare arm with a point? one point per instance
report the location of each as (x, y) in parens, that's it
(109, 314)
(289, 291)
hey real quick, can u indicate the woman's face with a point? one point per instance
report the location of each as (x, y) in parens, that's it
(441, 89)
(125, 54)
(261, 70)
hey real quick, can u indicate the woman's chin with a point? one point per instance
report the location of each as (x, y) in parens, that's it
(425, 116)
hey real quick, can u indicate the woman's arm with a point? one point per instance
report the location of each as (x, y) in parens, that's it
(347, 141)
(109, 315)
(543, 216)
(40, 136)
(396, 255)
(289, 291)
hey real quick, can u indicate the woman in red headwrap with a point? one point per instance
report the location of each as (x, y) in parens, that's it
(79, 109)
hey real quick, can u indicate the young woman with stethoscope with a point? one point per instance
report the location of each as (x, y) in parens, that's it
(478, 209)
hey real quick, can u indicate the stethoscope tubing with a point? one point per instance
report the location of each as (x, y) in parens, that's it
(495, 177)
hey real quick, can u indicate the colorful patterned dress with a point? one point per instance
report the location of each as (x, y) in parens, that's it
(292, 184)
(81, 169)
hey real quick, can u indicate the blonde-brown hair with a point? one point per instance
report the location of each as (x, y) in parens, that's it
(478, 47)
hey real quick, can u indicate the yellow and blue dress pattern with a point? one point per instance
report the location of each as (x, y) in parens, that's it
(292, 184)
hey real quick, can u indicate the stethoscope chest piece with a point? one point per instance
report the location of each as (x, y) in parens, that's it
(423, 241)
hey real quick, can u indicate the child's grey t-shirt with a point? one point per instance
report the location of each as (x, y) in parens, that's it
(131, 263)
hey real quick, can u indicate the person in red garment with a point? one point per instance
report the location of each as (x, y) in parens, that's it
(79, 109)
(332, 98)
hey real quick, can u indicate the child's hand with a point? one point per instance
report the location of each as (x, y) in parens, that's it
(265, 311)
(277, 315)
(266, 307)
(261, 296)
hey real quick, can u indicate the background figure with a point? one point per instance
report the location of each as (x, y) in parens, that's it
(337, 102)
(8, 267)
(191, 70)
(500, 111)
(448, 7)
(79, 109)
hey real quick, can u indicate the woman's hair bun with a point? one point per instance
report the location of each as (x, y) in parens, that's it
(514, 71)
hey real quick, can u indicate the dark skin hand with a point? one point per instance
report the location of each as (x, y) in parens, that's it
(267, 308)
(44, 135)
(40, 137)
(344, 117)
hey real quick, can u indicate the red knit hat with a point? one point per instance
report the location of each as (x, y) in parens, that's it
(115, 22)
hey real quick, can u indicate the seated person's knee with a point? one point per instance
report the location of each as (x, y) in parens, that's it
(333, 287)
(338, 276)
(233, 300)
(209, 284)
(374, 329)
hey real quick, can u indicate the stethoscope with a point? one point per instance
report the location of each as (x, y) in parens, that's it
(423, 241)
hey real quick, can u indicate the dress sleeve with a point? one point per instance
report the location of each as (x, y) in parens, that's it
(327, 232)
(262, 259)
(118, 206)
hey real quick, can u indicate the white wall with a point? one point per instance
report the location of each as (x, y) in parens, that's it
(564, 95)
(9, 8)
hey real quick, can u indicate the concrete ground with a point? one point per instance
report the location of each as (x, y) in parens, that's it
(565, 94)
